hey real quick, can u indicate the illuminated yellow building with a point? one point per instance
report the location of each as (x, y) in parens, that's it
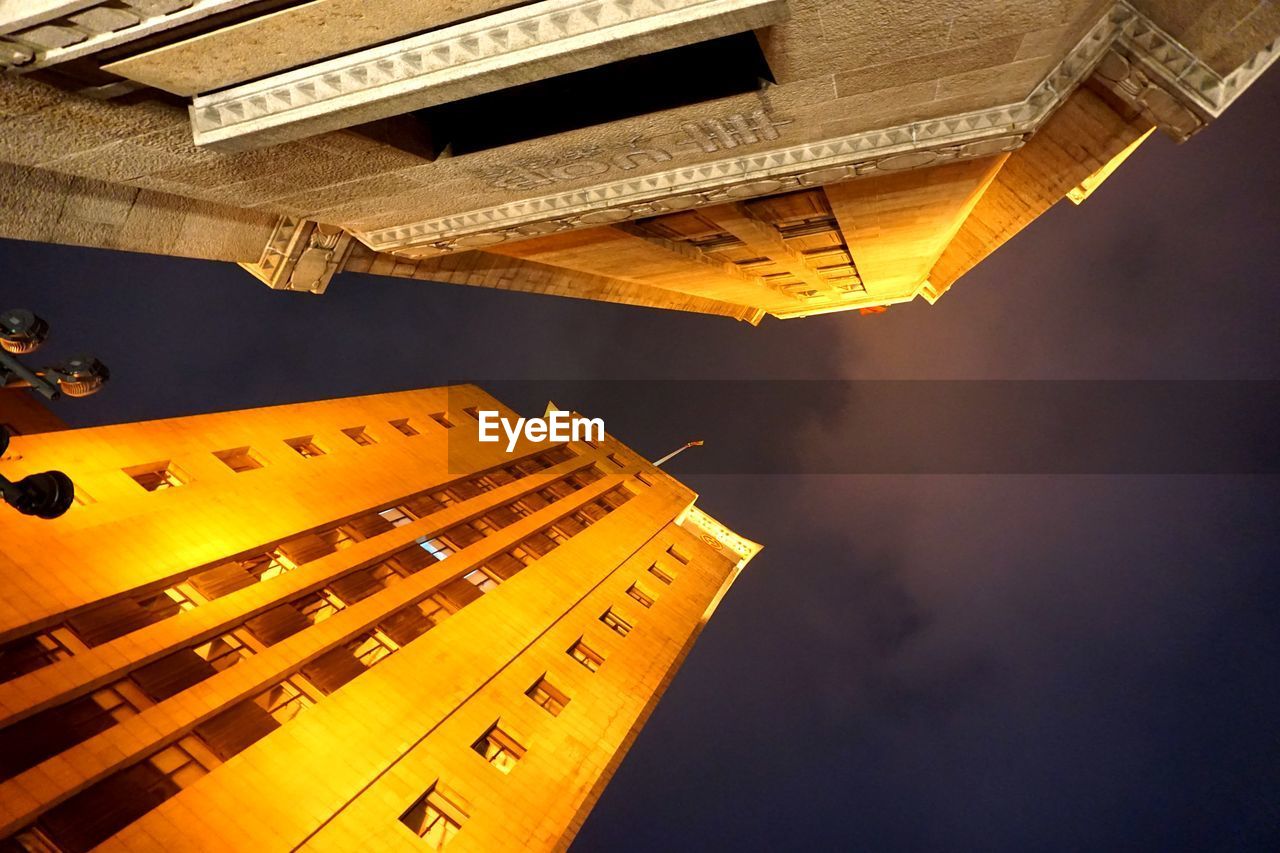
(740, 158)
(341, 625)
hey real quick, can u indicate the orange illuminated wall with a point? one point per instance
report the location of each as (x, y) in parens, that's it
(341, 625)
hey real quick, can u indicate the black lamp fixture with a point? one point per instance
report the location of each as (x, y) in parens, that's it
(48, 494)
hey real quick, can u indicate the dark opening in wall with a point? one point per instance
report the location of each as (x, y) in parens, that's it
(730, 65)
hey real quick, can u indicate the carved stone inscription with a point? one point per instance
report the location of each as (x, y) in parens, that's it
(702, 136)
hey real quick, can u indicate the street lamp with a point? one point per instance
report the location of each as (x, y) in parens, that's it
(48, 494)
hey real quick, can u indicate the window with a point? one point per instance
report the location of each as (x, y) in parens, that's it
(547, 696)
(617, 623)
(223, 652)
(396, 516)
(29, 653)
(116, 705)
(403, 426)
(472, 412)
(318, 606)
(435, 818)
(499, 748)
(661, 574)
(613, 457)
(372, 647)
(240, 459)
(266, 566)
(305, 446)
(644, 479)
(440, 418)
(677, 556)
(640, 595)
(156, 476)
(178, 764)
(435, 547)
(585, 655)
(359, 436)
(283, 702)
(480, 580)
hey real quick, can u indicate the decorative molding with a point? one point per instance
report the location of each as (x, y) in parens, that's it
(63, 31)
(1172, 76)
(718, 536)
(301, 255)
(543, 39)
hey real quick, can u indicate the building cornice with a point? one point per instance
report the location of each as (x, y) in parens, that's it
(1158, 76)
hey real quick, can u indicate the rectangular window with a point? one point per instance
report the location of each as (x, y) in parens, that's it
(283, 702)
(472, 412)
(359, 436)
(223, 652)
(267, 566)
(318, 606)
(305, 446)
(178, 764)
(499, 749)
(29, 653)
(396, 516)
(403, 426)
(547, 696)
(661, 574)
(372, 647)
(613, 457)
(435, 818)
(617, 623)
(439, 417)
(586, 656)
(480, 580)
(640, 595)
(156, 476)
(435, 547)
(240, 459)
(643, 478)
(677, 556)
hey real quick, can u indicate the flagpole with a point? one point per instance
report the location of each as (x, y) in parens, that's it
(677, 452)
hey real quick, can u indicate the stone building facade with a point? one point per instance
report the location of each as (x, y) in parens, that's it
(337, 625)
(741, 158)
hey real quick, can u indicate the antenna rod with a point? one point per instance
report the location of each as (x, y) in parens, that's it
(678, 451)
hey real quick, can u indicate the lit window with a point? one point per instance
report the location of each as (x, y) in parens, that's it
(660, 573)
(617, 623)
(396, 516)
(180, 598)
(480, 580)
(156, 476)
(585, 655)
(372, 647)
(547, 696)
(269, 565)
(435, 818)
(318, 606)
(178, 764)
(223, 652)
(440, 418)
(240, 459)
(435, 547)
(110, 700)
(640, 595)
(283, 702)
(403, 426)
(499, 748)
(359, 436)
(305, 446)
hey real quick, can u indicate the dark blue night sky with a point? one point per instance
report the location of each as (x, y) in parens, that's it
(1025, 662)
